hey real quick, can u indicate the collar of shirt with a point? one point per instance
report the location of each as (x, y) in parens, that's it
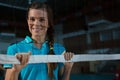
(29, 40)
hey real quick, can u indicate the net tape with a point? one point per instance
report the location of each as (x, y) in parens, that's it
(10, 59)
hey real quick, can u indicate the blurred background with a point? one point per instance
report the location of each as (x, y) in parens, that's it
(82, 26)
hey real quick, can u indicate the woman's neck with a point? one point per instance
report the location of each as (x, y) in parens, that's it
(38, 40)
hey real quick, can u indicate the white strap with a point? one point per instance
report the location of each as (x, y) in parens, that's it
(7, 59)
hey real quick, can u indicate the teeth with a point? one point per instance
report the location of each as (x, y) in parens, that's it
(36, 28)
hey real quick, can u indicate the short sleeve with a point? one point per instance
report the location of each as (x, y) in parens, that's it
(10, 51)
(58, 49)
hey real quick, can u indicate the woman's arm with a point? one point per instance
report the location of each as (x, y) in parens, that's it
(11, 74)
(67, 70)
(64, 73)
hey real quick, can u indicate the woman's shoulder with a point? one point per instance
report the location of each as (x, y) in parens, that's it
(58, 48)
(16, 43)
(26, 40)
(56, 44)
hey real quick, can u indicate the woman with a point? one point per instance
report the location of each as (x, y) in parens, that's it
(41, 42)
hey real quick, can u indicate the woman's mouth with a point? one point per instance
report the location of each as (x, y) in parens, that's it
(36, 29)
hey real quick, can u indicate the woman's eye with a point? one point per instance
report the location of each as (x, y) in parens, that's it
(31, 19)
(41, 19)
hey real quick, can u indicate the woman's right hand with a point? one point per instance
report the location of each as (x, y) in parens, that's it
(23, 58)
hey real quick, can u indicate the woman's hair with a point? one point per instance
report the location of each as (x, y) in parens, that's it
(50, 32)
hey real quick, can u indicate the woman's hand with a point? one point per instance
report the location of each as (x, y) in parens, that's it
(68, 56)
(68, 65)
(23, 58)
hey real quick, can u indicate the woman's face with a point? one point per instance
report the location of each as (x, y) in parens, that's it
(37, 22)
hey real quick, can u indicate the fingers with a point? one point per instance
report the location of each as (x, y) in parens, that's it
(18, 56)
(68, 55)
(29, 53)
(23, 57)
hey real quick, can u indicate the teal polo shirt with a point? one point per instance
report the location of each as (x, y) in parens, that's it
(36, 71)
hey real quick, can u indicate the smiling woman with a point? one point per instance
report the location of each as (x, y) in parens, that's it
(37, 22)
(41, 42)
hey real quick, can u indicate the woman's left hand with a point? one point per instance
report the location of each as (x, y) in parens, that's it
(68, 56)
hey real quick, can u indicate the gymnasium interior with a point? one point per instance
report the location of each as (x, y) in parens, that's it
(82, 26)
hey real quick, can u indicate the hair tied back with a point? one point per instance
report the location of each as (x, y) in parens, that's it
(51, 48)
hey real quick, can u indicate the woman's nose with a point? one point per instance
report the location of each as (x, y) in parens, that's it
(37, 22)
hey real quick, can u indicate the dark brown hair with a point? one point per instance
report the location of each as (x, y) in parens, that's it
(50, 32)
